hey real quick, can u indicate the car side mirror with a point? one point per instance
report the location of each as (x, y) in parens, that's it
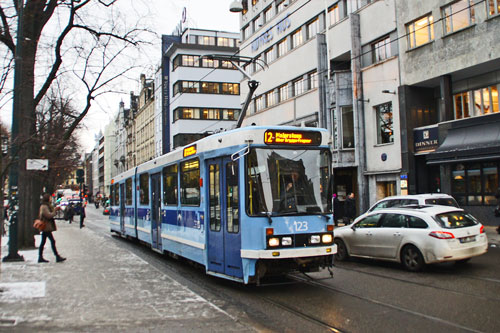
(353, 227)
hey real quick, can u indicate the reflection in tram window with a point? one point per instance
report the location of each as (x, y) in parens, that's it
(233, 220)
(190, 182)
(170, 185)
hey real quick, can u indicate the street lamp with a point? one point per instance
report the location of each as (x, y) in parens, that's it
(236, 7)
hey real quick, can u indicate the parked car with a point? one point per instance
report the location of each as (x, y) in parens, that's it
(414, 199)
(413, 236)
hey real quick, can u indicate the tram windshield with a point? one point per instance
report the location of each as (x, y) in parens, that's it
(286, 181)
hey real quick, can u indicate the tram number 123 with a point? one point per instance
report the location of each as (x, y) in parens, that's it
(300, 225)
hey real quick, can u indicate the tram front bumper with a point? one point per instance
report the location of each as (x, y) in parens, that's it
(289, 253)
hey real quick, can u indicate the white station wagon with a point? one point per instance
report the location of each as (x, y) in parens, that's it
(413, 236)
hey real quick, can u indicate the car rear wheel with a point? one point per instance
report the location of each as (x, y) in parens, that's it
(412, 259)
(342, 253)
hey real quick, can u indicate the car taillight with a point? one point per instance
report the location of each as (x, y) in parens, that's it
(441, 235)
(481, 230)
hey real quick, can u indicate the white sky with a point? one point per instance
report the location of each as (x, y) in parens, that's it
(164, 16)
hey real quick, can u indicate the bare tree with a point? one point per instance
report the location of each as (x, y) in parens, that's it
(58, 40)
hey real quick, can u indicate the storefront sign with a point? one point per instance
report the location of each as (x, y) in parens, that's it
(426, 139)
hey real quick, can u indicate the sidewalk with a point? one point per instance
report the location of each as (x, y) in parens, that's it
(99, 288)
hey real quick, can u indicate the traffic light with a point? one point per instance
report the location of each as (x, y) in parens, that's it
(85, 189)
(79, 176)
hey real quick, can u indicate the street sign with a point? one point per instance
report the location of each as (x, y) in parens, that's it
(35, 164)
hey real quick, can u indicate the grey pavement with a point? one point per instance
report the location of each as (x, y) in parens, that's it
(101, 287)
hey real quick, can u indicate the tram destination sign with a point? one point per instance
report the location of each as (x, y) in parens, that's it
(293, 138)
(191, 150)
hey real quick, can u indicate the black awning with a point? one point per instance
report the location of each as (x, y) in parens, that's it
(468, 143)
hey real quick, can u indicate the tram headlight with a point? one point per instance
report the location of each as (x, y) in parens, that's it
(315, 239)
(326, 238)
(274, 241)
(286, 241)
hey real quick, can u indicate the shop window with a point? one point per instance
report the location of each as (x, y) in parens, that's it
(493, 7)
(385, 125)
(475, 183)
(420, 32)
(491, 184)
(347, 127)
(381, 49)
(458, 15)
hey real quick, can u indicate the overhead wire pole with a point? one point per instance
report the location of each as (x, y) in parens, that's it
(14, 168)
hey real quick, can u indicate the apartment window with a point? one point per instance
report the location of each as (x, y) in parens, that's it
(313, 80)
(268, 14)
(283, 91)
(458, 15)
(420, 31)
(223, 41)
(461, 105)
(206, 40)
(334, 14)
(270, 100)
(231, 88)
(260, 103)
(297, 38)
(347, 127)
(381, 50)
(312, 28)
(280, 6)
(270, 55)
(282, 47)
(247, 32)
(385, 125)
(209, 63)
(493, 7)
(485, 100)
(298, 86)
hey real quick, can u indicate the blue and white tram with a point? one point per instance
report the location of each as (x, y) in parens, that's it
(245, 204)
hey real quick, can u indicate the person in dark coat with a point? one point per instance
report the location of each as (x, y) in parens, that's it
(82, 216)
(47, 213)
(337, 215)
(350, 208)
(70, 211)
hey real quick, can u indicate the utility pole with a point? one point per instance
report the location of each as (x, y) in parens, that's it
(14, 168)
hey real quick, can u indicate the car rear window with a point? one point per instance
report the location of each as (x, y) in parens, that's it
(442, 202)
(455, 220)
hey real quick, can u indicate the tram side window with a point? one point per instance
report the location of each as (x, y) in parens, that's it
(111, 195)
(128, 192)
(144, 189)
(170, 187)
(116, 194)
(190, 182)
(233, 217)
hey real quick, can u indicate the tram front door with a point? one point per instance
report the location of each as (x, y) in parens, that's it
(156, 211)
(223, 225)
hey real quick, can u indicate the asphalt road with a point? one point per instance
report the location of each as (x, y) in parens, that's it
(363, 295)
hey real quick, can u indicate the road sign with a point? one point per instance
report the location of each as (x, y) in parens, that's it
(36, 164)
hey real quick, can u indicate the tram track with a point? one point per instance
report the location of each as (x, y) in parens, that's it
(461, 293)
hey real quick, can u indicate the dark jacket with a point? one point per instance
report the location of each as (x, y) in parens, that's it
(350, 208)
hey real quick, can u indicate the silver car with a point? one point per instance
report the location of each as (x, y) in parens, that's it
(413, 236)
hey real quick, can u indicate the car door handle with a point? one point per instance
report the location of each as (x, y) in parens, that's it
(397, 234)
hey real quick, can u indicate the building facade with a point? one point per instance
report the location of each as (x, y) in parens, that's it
(144, 122)
(203, 93)
(450, 78)
(330, 64)
(130, 130)
(109, 151)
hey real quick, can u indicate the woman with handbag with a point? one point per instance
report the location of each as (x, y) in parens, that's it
(47, 214)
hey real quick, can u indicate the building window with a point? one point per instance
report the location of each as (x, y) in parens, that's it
(270, 55)
(381, 50)
(475, 183)
(231, 88)
(334, 14)
(247, 32)
(493, 7)
(347, 127)
(312, 28)
(353, 5)
(260, 103)
(476, 103)
(227, 64)
(270, 100)
(458, 15)
(283, 93)
(223, 41)
(385, 126)
(205, 114)
(280, 6)
(313, 80)
(297, 39)
(282, 47)
(268, 14)
(209, 63)
(420, 31)
(298, 86)
(206, 40)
